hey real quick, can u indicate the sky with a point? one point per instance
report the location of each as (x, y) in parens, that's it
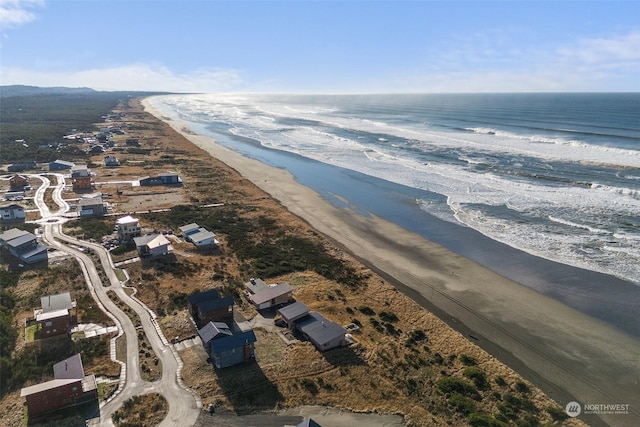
(315, 46)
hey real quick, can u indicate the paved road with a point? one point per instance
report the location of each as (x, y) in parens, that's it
(183, 405)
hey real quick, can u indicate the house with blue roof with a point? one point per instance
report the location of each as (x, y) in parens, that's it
(226, 348)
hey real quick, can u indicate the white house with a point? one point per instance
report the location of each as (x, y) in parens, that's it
(12, 212)
(128, 227)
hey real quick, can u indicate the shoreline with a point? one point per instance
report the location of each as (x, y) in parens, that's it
(570, 360)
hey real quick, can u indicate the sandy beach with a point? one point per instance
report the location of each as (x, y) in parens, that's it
(569, 355)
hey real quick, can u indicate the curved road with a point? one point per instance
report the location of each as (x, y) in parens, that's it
(184, 407)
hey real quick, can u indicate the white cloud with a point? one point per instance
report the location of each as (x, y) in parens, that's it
(620, 51)
(589, 64)
(14, 13)
(135, 77)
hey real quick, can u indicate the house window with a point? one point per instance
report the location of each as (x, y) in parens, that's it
(230, 309)
(48, 324)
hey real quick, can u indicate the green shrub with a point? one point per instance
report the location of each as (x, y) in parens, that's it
(556, 413)
(364, 309)
(387, 316)
(450, 385)
(521, 387)
(462, 404)
(309, 385)
(415, 337)
(467, 360)
(484, 420)
(478, 377)
(500, 381)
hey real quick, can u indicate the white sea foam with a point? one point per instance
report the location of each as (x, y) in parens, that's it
(544, 212)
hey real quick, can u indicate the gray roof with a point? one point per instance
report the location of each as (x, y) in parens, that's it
(12, 206)
(158, 241)
(294, 311)
(56, 302)
(144, 240)
(69, 368)
(21, 240)
(270, 292)
(64, 162)
(12, 234)
(49, 385)
(193, 227)
(233, 341)
(91, 201)
(201, 235)
(212, 330)
(37, 250)
(319, 329)
(255, 285)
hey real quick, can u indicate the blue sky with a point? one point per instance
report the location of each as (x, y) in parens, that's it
(322, 46)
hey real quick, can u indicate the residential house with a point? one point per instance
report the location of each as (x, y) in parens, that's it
(91, 206)
(293, 312)
(128, 227)
(204, 238)
(79, 171)
(168, 178)
(322, 333)
(152, 245)
(225, 348)
(96, 149)
(54, 323)
(111, 161)
(70, 387)
(195, 299)
(272, 295)
(213, 330)
(255, 285)
(61, 301)
(215, 310)
(264, 296)
(55, 315)
(12, 212)
(18, 182)
(189, 229)
(60, 165)
(23, 245)
(19, 167)
(199, 236)
(14, 195)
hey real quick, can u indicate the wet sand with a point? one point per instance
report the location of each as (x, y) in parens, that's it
(569, 355)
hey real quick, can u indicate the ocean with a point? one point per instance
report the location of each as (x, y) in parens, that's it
(552, 176)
